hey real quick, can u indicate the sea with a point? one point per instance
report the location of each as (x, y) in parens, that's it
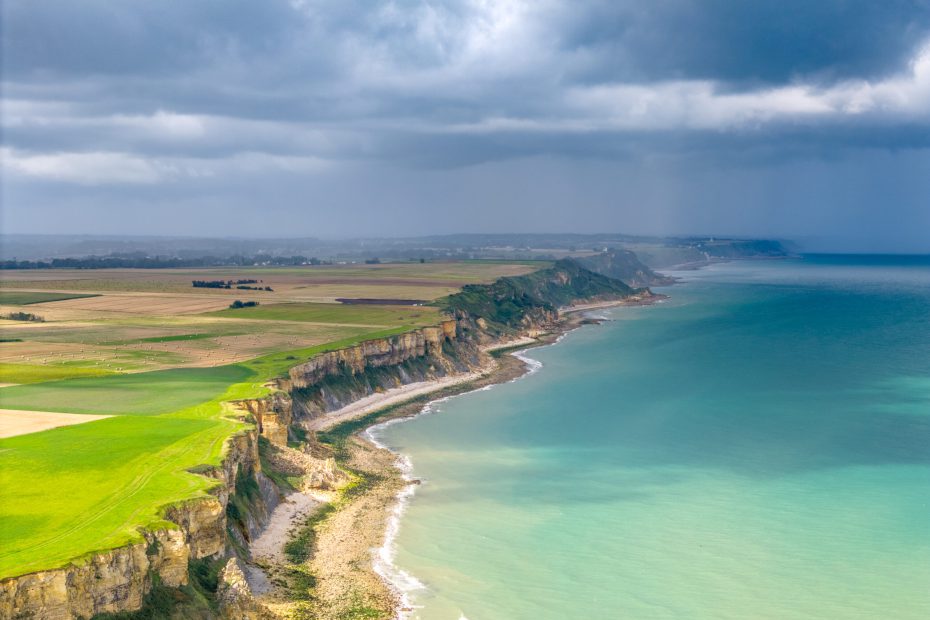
(757, 446)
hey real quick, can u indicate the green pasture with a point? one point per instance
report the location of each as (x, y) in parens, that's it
(144, 393)
(73, 490)
(24, 298)
(411, 316)
(176, 338)
(33, 373)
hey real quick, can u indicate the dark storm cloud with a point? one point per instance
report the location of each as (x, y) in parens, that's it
(193, 107)
(763, 40)
(98, 37)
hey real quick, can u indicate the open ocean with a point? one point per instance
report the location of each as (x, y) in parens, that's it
(758, 446)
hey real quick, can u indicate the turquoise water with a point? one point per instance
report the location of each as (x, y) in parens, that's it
(756, 447)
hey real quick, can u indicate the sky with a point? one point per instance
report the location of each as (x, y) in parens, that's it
(801, 119)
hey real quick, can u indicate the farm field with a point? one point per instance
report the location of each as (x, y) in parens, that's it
(311, 283)
(25, 298)
(25, 373)
(144, 343)
(160, 359)
(373, 315)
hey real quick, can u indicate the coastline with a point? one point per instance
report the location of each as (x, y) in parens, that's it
(352, 552)
(353, 544)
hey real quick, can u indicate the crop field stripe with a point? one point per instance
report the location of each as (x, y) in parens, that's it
(33, 373)
(144, 393)
(319, 312)
(26, 298)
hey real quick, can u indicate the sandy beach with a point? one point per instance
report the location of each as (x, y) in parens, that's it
(393, 396)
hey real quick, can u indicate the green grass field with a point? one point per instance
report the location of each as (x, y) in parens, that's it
(28, 373)
(144, 393)
(338, 313)
(24, 298)
(73, 490)
(177, 338)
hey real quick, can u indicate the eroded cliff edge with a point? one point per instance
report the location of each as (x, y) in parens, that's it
(119, 580)
(200, 551)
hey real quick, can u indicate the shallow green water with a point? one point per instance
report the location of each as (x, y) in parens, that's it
(756, 447)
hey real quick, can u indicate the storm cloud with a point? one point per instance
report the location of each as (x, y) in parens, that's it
(790, 118)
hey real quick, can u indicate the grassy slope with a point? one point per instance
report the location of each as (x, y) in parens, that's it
(508, 301)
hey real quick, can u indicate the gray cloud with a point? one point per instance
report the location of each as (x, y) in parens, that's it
(413, 111)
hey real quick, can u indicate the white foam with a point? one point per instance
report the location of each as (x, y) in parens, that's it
(402, 582)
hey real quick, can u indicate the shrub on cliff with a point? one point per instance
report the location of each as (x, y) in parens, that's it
(625, 266)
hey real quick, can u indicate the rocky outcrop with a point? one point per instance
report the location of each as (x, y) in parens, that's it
(512, 305)
(377, 353)
(234, 597)
(272, 415)
(108, 582)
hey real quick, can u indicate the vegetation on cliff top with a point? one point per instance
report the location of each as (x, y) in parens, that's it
(375, 315)
(625, 266)
(509, 301)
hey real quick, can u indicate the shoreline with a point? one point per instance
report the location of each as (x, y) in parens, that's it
(394, 396)
(353, 550)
